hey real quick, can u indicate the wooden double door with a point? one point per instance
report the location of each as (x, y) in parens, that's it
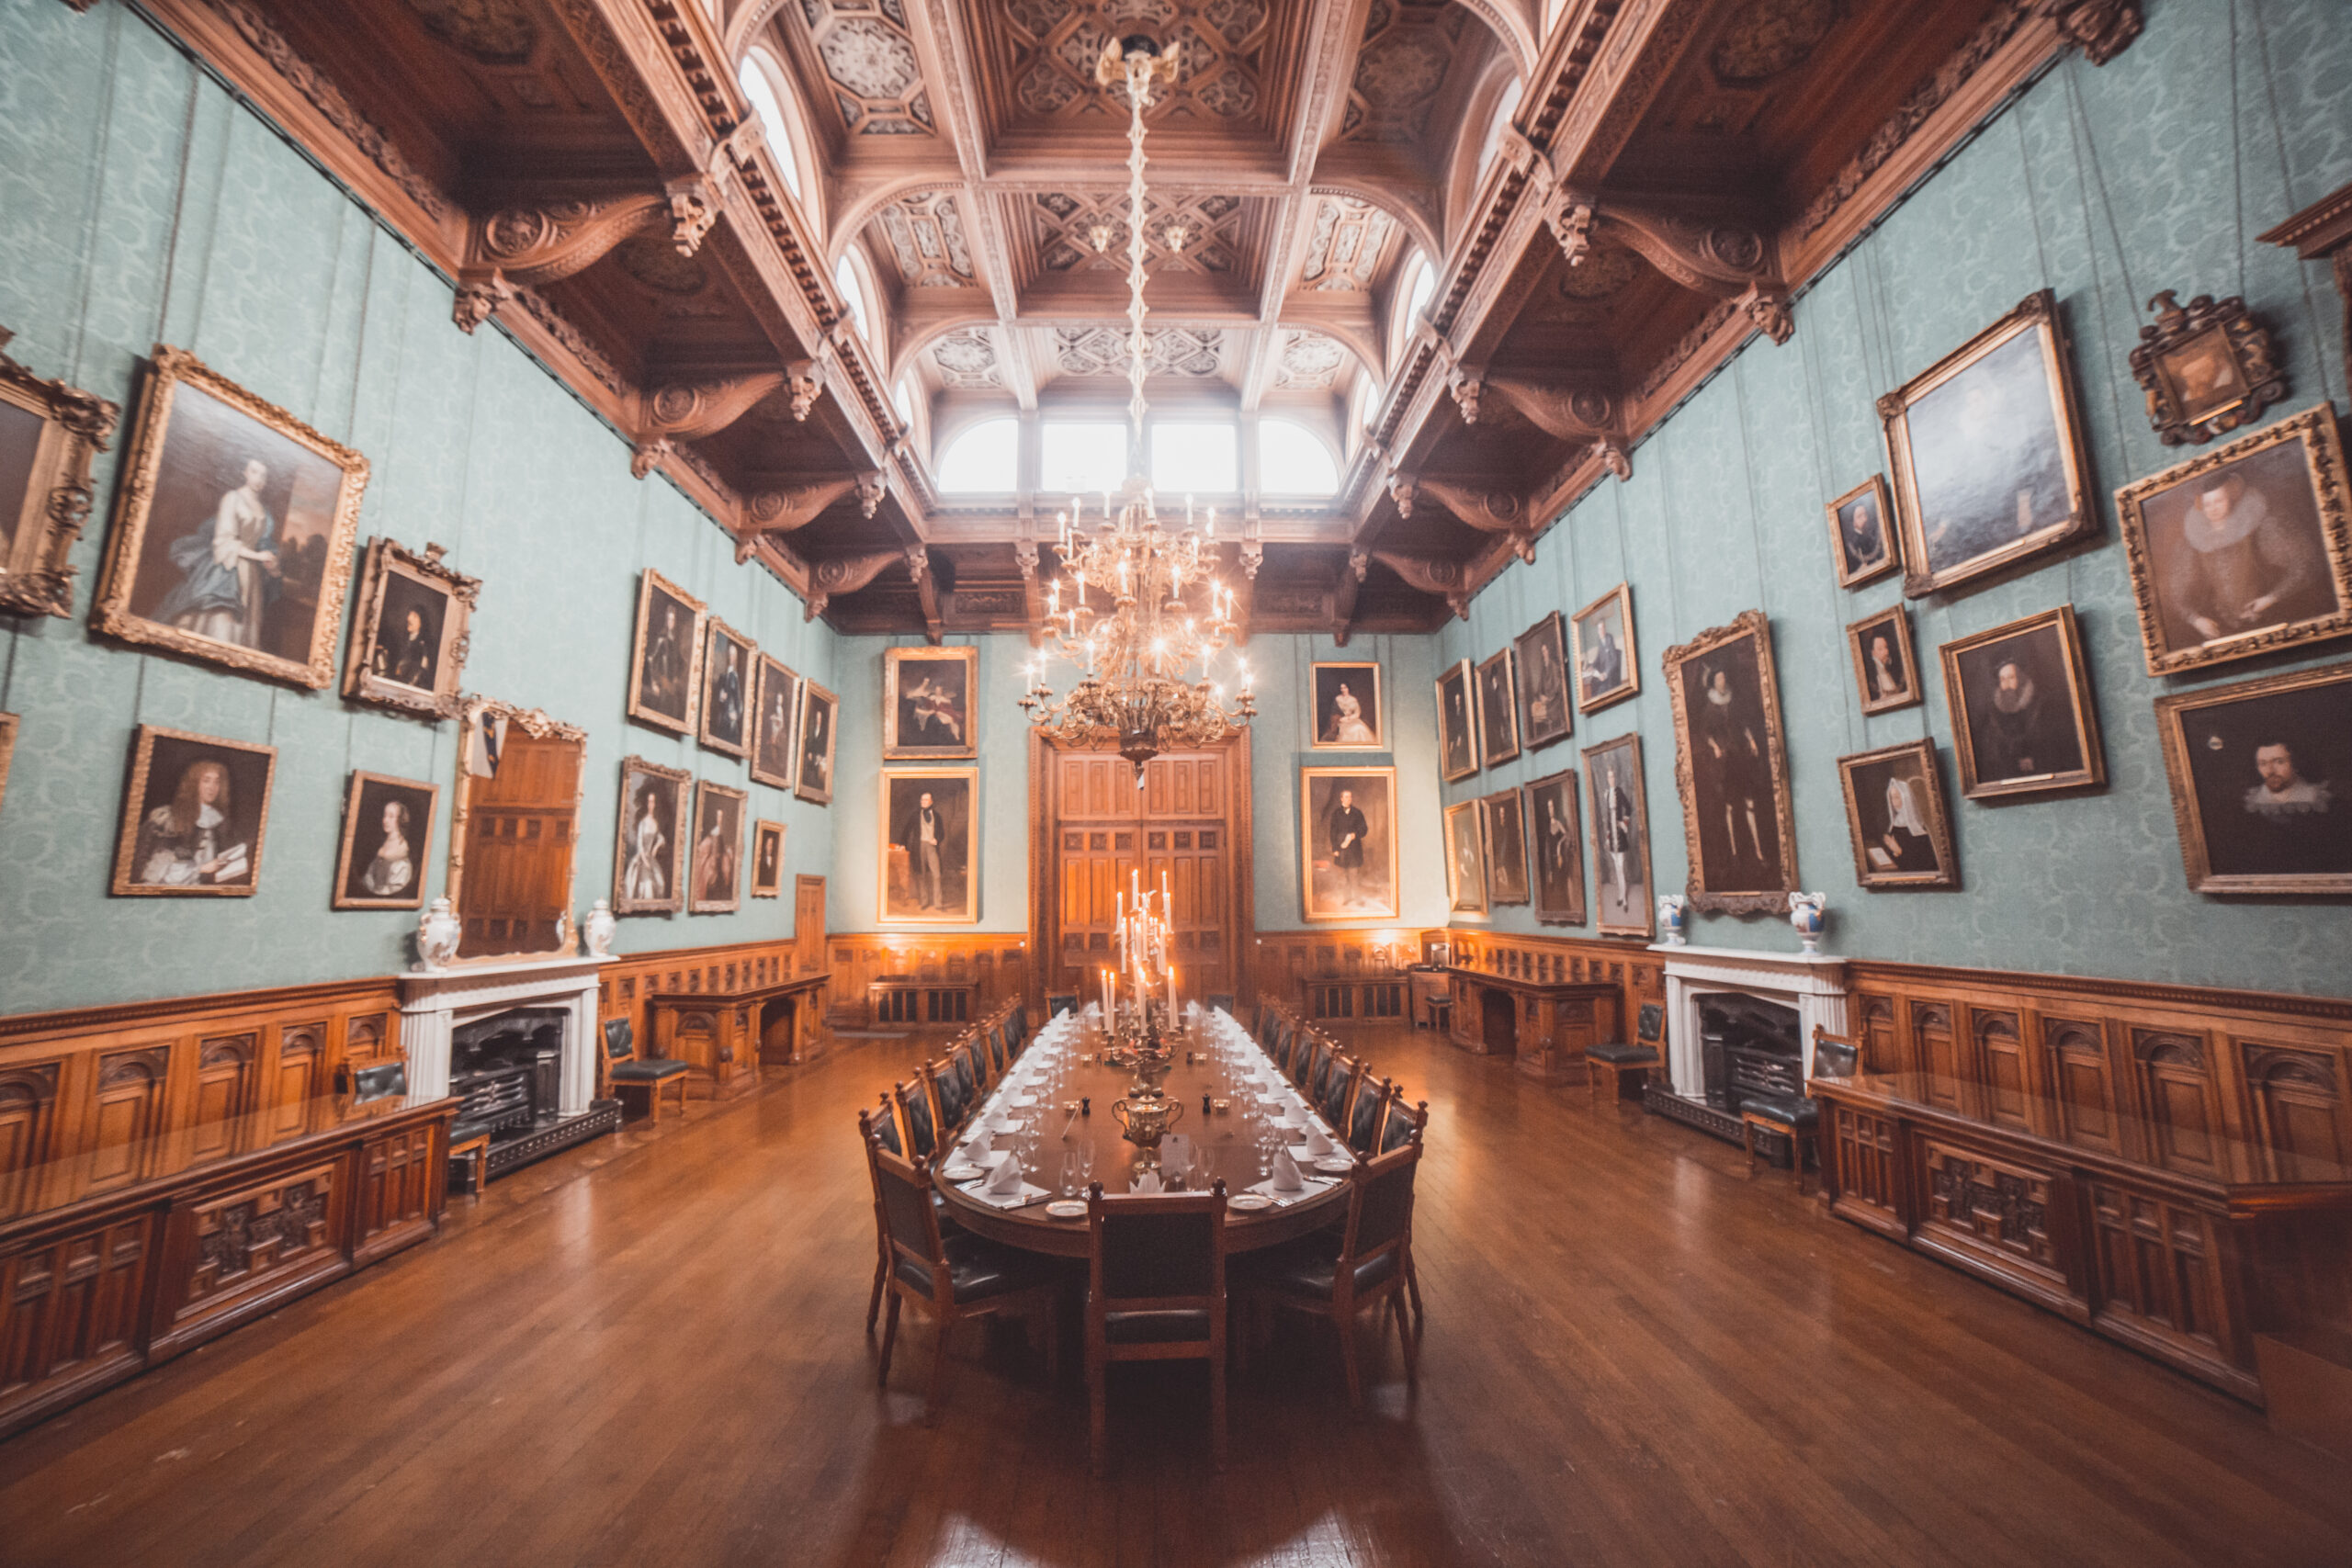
(1095, 832)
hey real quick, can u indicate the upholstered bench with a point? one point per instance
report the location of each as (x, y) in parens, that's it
(622, 1070)
(1799, 1121)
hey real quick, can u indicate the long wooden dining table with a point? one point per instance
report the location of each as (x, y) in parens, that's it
(1067, 1054)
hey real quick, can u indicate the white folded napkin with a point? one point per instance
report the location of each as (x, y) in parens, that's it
(1005, 1179)
(1149, 1182)
(1317, 1143)
(1286, 1177)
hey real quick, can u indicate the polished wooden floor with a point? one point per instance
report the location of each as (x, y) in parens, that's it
(652, 1351)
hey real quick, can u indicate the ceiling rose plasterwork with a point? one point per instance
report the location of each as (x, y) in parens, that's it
(870, 60)
(1767, 37)
(1309, 361)
(1064, 224)
(1344, 250)
(966, 360)
(1055, 43)
(1174, 351)
(496, 32)
(926, 236)
(1408, 46)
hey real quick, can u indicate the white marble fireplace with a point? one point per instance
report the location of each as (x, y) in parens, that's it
(435, 1003)
(1813, 984)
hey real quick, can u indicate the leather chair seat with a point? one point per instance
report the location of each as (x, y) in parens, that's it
(1309, 1267)
(1155, 1327)
(979, 1268)
(647, 1072)
(1788, 1112)
(1621, 1053)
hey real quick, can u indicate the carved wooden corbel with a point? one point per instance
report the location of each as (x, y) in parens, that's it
(871, 487)
(827, 580)
(2101, 28)
(535, 246)
(1446, 579)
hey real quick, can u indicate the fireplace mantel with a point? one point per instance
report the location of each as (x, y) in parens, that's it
(1812, 983)
(434, 1002)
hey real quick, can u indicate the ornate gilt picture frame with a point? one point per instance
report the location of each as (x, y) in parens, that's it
(2245, 549)
(194, 816)
(1988, 453)
(1731, 768)
(386, 842)
(714, 864)
(410, 631)
(649, 844)
(928, 702)
(2022, 720)
(1894, 814)
(665, 658)
(51, 429)
(729, 657)
(2261, 779)
(234, 531)
(1887, 670)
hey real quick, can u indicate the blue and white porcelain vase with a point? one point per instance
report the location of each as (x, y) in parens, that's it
(1806, 913)
(1671, 917)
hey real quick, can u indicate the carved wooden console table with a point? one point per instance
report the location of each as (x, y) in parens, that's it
(725, 1036)
(1547, 1024)
(98, 1290)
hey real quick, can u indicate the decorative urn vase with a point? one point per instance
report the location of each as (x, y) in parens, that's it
(1807, 914)
(436, 935)
(1670, 918)
(596, 931)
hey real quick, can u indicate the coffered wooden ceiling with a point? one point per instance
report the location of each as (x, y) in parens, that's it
(590, 175)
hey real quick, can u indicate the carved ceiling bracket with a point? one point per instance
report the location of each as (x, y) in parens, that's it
(827, 580)
(2101, 28)
(1449, 579)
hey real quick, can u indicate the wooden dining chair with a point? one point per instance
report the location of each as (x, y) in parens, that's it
(1334, 1099)
(953, 1275)
(916, 1116)
(1155, 1292)
(1362, 1128)
(1368, 1267)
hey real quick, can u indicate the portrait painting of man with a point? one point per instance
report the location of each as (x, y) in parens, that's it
(1858, 535)
(1884, 669)
(1465, 859)
(767, 858)
(666, 666)
(1987, 453)
(927, 707)
(2244, 550)
(928, 869)
(1894, 810)
(2019, 696)
(714, 866)
(774, 709)
(1348, 713)
(1607, 670)
(727, 690)
(820, 710)
(1457, 734)
(1555, 829)
(1347, 843)
(387, 837)
(1621, 837)
(1497, 709)
(1732, 768)
(234, 541)
(649, 855)
(2261, 776)
(1545, 705)
(193, 815)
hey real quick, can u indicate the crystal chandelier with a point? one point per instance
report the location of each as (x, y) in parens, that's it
(1147, 617)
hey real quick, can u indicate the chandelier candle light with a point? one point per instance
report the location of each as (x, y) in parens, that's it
(1146, 682)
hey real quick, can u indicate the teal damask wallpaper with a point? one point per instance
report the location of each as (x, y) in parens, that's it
(2104, 184)
(141, 205)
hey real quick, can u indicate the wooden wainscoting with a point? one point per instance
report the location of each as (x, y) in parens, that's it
(994, 964)
(2169, 1166)
(96, 1101)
